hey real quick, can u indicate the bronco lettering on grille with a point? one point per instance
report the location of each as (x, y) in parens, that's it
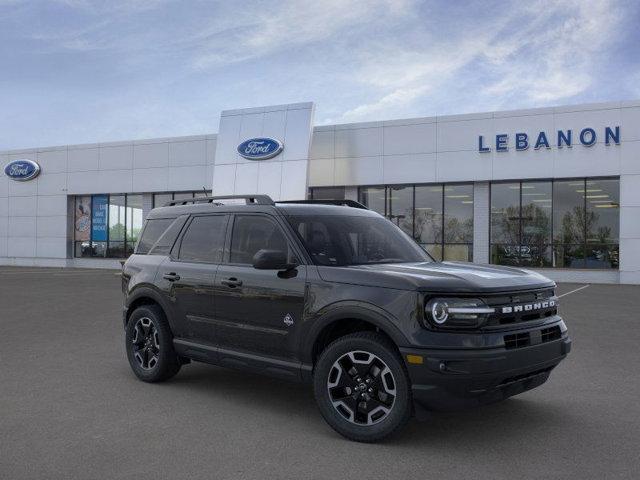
(529, 307)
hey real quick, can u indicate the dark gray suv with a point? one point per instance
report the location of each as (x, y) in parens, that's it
(331, 293)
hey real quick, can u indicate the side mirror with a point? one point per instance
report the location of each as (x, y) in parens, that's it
(272, 260)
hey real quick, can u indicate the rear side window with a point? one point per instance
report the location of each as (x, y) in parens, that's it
(168, 238)
(204, 239)
(154, 228)
(252, 233)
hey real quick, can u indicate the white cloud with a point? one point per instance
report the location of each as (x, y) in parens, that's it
(288, 24)
(554, 63)
(543, 52)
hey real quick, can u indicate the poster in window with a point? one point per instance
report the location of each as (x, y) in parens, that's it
(83, 219)
(99, 218)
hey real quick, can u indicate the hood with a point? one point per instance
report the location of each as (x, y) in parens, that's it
(449, 277)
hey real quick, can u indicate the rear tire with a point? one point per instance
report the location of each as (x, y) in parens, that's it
(362, 387)
(149, 345)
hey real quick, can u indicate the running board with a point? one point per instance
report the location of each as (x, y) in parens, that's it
(288, 370)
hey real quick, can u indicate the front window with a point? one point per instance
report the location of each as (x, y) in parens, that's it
(252, 233)
(342, 240)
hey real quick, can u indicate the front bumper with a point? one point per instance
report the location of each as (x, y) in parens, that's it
(451, 379)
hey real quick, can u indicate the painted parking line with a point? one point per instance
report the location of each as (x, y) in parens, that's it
(573, 291)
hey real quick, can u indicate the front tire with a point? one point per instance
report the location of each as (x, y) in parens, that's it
(149, 345)
(362, 387)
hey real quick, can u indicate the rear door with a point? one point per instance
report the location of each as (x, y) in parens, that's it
(188, 275)
(257, 310)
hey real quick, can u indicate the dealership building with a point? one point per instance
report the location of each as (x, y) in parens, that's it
(553, 189)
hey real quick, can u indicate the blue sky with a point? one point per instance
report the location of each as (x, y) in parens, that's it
(76, 71)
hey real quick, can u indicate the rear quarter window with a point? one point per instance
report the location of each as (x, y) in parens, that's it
(153, 229)
(168, 238)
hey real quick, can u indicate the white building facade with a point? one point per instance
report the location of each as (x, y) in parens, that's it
(553, 189)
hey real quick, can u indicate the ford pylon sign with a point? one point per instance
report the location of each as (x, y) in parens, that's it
(260, 148)
(22, 170)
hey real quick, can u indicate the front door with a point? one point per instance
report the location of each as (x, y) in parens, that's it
(256, 310)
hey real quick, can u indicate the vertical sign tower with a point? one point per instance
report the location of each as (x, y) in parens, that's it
(283, 176)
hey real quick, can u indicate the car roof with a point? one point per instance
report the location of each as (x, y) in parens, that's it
(314, 209)
(287, 209)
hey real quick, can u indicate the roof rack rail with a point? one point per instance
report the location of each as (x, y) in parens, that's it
(343, 203)
(250, 199)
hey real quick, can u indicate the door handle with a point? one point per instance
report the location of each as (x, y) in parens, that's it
(232, 282)
(172, 277)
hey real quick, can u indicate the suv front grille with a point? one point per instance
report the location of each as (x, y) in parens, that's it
(521, 307)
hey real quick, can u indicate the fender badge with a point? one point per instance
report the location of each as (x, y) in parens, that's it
(288, 320)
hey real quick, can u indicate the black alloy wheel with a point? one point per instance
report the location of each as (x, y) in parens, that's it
(146, 346)
(362, 387)
(149, 345)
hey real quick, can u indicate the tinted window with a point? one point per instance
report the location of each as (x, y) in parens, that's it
(168, 238)
(152, 231)
(204, 239)
(345, 240)
(252, 233)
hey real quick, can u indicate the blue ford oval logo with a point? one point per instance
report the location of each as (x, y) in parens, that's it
(22, 170)
(260, 148)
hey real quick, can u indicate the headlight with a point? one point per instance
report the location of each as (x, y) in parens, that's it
(457, 312)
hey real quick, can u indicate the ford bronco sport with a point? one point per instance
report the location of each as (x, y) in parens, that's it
(331, 293)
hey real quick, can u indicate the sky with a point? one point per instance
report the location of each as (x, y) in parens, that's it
(80, 71)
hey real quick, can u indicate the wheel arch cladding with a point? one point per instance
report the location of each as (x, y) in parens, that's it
(143, 299)
(341, 323)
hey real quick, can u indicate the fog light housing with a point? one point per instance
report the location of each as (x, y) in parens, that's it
(457, 312)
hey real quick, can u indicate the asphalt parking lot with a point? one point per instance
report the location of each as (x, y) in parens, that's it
(71, 408)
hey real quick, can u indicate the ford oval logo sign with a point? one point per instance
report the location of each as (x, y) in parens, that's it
(22, 170)
(260, 148)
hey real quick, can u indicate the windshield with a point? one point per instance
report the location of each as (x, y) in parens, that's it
(339, 240)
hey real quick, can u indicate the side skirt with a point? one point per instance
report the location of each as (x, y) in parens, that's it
(274, 367)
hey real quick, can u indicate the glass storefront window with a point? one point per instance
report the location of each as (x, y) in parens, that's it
(182, 195)
(564, 223)
(535, 243)
(327, 193)
(458, 222)
(428, 218)
(134, 221)
(505, 223)
(107, 225)
(400, 208)
(82, 226)
(602, 198)
(117, 218)
(161, 199)
(568, 212)
(373, 198)
(439, 217)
